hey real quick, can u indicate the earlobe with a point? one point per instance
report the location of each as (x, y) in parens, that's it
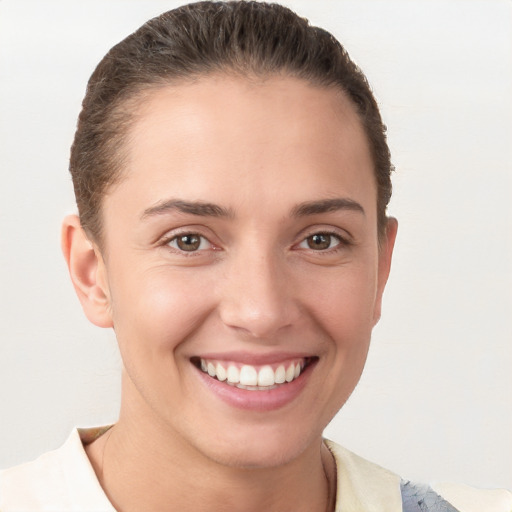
(87, 272)
(385, 256)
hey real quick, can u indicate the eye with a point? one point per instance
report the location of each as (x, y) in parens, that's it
(320, 241)
(189, 242)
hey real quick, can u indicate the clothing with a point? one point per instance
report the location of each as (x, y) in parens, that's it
(64, 480)
(364, 486)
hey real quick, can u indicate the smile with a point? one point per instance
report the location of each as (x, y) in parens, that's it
(254, 378)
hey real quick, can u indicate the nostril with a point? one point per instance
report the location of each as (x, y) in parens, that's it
(255, 321)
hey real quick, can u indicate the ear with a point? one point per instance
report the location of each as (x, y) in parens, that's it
(87, 271)
(385, 256)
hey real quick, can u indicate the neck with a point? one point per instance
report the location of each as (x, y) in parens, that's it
(143, 467)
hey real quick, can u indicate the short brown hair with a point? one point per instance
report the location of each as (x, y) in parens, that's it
(242, 37)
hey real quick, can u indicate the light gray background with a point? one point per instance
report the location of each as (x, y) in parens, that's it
(435, 400)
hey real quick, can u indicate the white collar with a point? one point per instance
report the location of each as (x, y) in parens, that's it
(363, 485)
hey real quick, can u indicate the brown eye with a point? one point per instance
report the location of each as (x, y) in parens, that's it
(320, 242)
(189, 242)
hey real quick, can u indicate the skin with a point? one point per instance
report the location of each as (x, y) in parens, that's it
(263, 151)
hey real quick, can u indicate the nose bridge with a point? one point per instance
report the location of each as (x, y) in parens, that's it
(257, 294)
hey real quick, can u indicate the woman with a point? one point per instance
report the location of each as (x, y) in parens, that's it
(232, 175)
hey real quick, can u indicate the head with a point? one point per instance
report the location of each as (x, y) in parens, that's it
(232, 177)
(245, 39)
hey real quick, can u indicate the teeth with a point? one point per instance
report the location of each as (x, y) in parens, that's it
(266, 376)
(233, 374)
(249, 377)
(221, 373)
(280, 375)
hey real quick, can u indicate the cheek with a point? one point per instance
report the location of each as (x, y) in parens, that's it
(156, 310)
(345, 302)
(345, 312)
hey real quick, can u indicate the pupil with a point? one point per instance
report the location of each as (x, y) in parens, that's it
(319, 241)
(188, 242)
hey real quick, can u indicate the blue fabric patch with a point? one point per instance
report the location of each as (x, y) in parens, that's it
(422, 498)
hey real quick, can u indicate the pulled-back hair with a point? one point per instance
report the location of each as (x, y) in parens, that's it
(243, 38)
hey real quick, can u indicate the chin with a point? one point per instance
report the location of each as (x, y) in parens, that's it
(261, 448)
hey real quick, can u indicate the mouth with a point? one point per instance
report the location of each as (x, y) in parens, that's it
(254, 377)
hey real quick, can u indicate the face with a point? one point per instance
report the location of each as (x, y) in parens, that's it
(241, 265)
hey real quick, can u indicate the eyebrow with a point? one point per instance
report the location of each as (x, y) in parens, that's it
(204, 209)
(325, 206)
(199, 208)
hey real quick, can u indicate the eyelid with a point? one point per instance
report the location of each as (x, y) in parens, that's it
(199, 249)
(340, 240)
(173, 234)
(345, 240)
(320, 229)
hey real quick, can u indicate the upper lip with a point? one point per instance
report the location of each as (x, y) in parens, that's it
(254, 359)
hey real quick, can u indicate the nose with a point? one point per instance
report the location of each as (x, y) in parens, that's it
(258, 296)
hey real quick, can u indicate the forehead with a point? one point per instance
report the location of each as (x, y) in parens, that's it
(229, 136)
(230, 108)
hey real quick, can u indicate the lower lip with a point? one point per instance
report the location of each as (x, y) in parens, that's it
(258, 400)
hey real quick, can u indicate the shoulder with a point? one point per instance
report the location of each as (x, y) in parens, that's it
(363, 485)
(27, 485)
(471, 499)
(367, 487)
(61, 479)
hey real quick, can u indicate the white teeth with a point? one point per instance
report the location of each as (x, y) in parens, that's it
(221, 373)
(233, 374)
(266, 376)
(280, 376)
(248, 377)
(290, 373)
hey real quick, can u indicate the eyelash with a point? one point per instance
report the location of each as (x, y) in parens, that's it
(167, 241)
(341, 243)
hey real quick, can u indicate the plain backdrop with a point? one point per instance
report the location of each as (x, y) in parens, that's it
(434, 402)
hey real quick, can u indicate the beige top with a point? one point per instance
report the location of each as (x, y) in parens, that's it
(64, 480)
